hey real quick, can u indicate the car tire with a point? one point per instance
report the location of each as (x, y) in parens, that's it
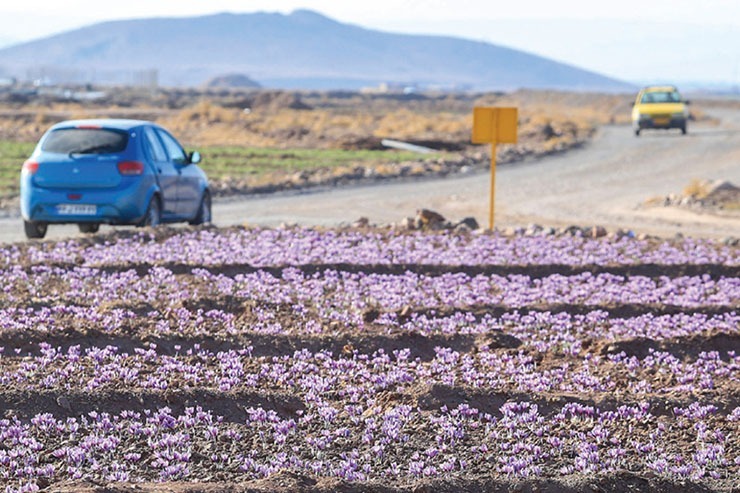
(153, 216)
(637, 132)
(684, 130)
(89, 227)
(203, 216)
(35, 229)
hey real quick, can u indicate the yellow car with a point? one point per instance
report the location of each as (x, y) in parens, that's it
(659, 107)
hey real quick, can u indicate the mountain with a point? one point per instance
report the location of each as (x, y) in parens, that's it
(303, 49)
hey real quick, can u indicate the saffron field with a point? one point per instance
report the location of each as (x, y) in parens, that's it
(282, 359)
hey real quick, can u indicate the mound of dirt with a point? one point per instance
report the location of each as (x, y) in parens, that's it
(722, 193)
(717, 196)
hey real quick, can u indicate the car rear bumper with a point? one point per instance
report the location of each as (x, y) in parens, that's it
(661, 123)
(43, 205)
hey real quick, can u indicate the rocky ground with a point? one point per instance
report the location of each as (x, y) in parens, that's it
(719, 197)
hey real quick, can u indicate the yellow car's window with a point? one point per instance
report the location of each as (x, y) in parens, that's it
(661, 97)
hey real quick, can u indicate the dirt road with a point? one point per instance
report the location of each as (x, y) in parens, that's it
(603, 183)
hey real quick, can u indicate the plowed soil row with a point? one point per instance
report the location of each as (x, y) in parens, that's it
(232, 406)
(344, 343)
(288, 481)
(534, 271)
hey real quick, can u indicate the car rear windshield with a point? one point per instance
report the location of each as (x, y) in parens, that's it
(85, 141)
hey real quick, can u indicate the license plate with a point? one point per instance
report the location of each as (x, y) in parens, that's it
(77, 209)
(662, 121)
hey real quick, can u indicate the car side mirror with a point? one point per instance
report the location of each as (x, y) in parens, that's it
(633, 103)
(194, 157)
(687, 102)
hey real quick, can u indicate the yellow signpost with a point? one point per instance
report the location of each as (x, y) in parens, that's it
(497, 126)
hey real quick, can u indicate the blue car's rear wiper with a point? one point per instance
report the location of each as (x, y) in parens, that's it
(90, 150)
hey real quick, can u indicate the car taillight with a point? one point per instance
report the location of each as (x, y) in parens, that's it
(130, 168)
(30, 167)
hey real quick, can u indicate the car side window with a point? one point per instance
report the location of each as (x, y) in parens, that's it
(154, 146)
(177, 155)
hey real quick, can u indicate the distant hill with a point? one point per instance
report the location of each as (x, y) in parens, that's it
(301, 50)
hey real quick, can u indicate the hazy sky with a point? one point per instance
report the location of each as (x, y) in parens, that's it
(638, 40)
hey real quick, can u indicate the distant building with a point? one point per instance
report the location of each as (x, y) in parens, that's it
(391, 88)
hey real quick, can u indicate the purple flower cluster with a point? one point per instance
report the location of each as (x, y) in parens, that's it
(365, 375)
(349, 292)
(300, 246)
(358, 442)
(561, 332)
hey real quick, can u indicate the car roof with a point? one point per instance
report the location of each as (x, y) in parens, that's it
(114, 123)
(660, 89)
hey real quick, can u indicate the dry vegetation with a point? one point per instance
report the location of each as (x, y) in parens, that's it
(218, 122)
(323, 120)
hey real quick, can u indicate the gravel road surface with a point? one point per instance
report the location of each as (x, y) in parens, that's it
(603, 183)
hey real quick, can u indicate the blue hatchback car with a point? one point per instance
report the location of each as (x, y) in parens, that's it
(111, 171)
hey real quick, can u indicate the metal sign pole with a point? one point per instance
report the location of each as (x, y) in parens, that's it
(493, 186)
